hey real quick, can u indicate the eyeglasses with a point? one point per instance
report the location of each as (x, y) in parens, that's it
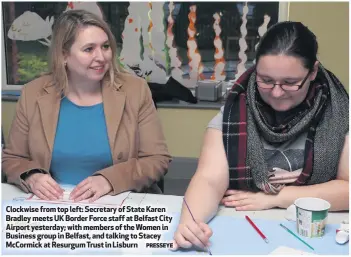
(285, 87)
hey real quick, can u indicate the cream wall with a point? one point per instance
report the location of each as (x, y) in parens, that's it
(330, 23)
(7, 114)
(184, 128)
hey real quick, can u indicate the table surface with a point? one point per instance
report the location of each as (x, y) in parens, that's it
(174, 203)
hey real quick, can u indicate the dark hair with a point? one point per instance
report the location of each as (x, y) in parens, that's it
(292, 39)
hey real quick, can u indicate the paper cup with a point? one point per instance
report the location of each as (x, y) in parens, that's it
(311, 216)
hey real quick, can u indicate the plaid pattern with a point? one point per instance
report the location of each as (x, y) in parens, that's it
(234, 129)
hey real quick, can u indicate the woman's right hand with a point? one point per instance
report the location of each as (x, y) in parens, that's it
(44, 186)
(191, 234)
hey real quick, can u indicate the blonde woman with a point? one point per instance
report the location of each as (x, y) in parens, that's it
(85, 123)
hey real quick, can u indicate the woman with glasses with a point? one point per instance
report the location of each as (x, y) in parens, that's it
(282, 134)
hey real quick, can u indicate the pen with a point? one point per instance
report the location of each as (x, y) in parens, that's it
(296, 236)
(187, 206)
(257, 229)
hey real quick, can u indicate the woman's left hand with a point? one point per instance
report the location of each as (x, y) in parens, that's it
(91, 188)
(248, 201)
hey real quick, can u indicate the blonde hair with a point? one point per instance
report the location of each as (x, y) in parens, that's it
(64, 33)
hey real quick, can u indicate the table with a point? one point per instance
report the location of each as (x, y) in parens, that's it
(224, 224)
(174, 204)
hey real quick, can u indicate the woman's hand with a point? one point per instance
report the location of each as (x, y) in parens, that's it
(192, 234)
(249, 201)
(44, 186)
(91, 188)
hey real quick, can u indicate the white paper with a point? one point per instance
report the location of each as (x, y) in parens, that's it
(115, 200)
(171, 202)
(283, 250)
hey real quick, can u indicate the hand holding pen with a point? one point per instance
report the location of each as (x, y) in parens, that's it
(193, 233)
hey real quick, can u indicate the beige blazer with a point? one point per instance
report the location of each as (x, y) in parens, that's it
(138, 147)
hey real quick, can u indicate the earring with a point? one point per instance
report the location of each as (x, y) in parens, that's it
(65, 63)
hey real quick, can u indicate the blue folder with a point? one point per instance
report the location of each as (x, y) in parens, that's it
(236, 236)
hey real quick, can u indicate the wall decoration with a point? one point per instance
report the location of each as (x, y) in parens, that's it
(195, 65)
(175, 63)
(263, 28)
(30, 26)
(92, 7)
(218, 73)
(188, 41)
(243, 45)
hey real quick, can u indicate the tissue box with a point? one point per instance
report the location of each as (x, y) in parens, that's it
(208, 90)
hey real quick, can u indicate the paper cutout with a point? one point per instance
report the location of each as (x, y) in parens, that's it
(263, 28)
(92, 7)
(195, 65)
(131, 48)
(30, 27)
(158, 35)
(175, 62)
(242, 43)
(218, 73)
(136, 57)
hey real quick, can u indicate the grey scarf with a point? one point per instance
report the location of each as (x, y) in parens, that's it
(326, 135)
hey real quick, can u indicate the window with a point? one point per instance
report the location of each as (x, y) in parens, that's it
(189, 41)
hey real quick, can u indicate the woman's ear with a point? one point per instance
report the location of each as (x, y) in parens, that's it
(315, 70)
(65, 55)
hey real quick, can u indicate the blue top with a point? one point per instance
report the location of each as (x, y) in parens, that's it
(81, 144)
